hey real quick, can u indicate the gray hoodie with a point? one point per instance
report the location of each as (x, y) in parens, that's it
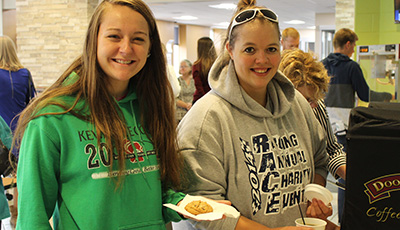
(259, 158)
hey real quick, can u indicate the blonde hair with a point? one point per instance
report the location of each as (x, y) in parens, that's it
(242, 6)
(189, 63)
(290, 32)
(152, 87)
(8, 55)
(303, 69)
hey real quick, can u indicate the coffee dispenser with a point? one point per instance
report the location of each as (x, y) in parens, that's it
(380, 65)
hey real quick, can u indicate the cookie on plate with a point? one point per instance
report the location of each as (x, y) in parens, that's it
(198, 207)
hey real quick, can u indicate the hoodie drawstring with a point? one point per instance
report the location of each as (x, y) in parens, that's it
(141, 142)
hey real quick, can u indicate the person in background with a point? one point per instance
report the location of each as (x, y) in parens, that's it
(98, 147)
(235, 139)
(173, 79)
(6, 139)
(206, 55)
(290, 38)
(17, 87)
(186, 82)
(346, 80)
(310, 78)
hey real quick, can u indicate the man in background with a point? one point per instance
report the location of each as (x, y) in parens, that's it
(346, 79)
(290, 38)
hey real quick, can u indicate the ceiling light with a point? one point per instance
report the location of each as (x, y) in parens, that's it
(295, 22)
(186, 18)
(223, 25)
(226, 6)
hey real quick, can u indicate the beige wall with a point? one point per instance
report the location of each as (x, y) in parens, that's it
(345, 12)
(166, 30)
(193, 33)
(188, 36)
(219, 39)
(50, 36)
(9, 22)
(183, 49)
(323, 21)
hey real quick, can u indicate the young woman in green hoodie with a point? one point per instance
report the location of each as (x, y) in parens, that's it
(98, 147)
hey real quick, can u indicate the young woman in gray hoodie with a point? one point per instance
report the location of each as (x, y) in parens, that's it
(253, 139)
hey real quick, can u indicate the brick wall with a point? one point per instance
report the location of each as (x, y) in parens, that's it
(345, 13)
(50, 35)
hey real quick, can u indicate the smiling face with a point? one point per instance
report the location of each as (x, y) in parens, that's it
(256, 56)
(123, 46)
(184, 69)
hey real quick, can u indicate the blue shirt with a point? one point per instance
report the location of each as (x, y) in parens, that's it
(14, 94)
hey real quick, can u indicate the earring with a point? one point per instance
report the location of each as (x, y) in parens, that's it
(148, 55)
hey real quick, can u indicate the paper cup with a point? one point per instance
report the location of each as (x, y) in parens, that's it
(313, 223)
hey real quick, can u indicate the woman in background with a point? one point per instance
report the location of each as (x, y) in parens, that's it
(206, 55)
(17, 87)
(186, 82)
(311, 79)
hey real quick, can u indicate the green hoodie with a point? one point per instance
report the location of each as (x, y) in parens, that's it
(61, 167)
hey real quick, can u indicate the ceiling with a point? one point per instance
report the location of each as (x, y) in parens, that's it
(287, 10)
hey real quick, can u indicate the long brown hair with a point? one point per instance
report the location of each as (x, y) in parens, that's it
(152, 88)
(206, 55)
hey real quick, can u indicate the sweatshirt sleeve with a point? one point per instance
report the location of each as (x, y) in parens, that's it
(205, 163)
(170, 196)
(206, 175)
(358, 82)
(320, 155)
(5, 133)
(37, 177)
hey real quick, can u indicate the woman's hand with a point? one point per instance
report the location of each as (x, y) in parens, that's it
(331, 226)
(318, 209)
(188, 106)
(227, 202)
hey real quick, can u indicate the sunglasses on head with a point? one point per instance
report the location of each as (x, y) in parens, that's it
(250, 14)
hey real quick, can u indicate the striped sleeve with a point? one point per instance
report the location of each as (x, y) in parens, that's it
(337, 157)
